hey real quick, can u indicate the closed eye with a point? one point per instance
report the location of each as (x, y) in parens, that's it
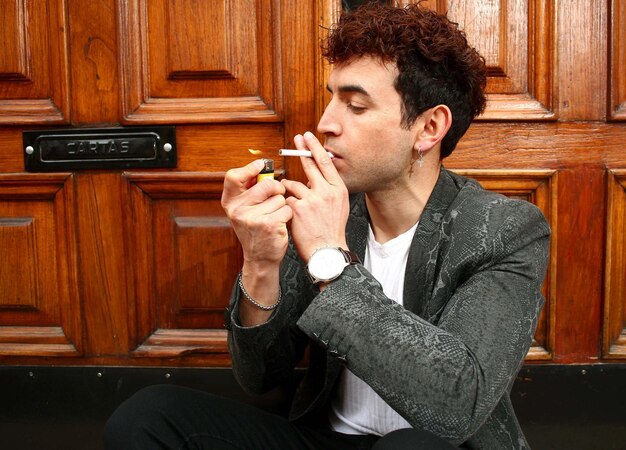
(348, 92)
(356, 109)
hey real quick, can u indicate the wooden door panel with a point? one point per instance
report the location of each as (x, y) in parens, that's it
(185, 257)
(38, 302)
(617, 87)
(14, 64)
(614, 321)
(197, 254)
(517, 39)
(196, 61)
(18, 278)
(33, 62)
(201, 41)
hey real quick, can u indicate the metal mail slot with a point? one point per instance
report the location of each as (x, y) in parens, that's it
(99, 148)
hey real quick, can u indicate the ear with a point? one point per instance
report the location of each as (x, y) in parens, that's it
(434, 124)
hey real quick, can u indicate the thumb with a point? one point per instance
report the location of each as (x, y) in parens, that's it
(237, 181)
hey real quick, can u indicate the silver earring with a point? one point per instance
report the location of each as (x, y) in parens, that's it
(420, 156)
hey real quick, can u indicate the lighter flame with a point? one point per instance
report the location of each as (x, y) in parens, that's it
(255, 152)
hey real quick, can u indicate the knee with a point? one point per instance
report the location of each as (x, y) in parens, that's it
(409, 438)
(136, 415)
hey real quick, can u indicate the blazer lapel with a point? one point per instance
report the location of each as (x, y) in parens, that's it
(357, 228)
(422, 259)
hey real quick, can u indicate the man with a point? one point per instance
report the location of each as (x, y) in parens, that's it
(418, 295)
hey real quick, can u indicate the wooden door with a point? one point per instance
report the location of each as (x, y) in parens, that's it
(135, 266)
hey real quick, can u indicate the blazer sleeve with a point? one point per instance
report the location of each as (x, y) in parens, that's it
(264, 356)
(449, 376)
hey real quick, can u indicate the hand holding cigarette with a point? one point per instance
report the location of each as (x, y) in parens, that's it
(320, 206)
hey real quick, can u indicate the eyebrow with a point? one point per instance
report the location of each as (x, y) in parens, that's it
(349, 88)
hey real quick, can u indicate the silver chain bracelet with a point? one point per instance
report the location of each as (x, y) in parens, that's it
(254, 302)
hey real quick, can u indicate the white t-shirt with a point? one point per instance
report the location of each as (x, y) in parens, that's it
(356, 408)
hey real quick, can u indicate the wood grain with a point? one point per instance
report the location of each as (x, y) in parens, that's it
(617, 57)
(614, 321)
(95, 61)
(102, 267)
(195, 50)
(19, 278)
(582, 56)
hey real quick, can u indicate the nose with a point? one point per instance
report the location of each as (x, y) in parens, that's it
(329, 122)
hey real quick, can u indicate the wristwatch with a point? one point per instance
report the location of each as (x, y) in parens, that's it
(327, 263)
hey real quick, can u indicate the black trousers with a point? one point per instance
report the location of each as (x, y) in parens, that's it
(174, 417)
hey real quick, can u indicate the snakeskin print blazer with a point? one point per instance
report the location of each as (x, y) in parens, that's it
(446, 360)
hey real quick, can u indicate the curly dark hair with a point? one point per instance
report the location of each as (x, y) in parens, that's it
(436, 65)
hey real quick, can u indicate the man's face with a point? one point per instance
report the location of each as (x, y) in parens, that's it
(362, 126)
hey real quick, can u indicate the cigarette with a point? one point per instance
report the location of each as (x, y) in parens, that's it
(305, 153)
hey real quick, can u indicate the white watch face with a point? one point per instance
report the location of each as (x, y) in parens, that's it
(327, 264)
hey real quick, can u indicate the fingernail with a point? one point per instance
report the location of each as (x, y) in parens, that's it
(308, 135)
(258, 163)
